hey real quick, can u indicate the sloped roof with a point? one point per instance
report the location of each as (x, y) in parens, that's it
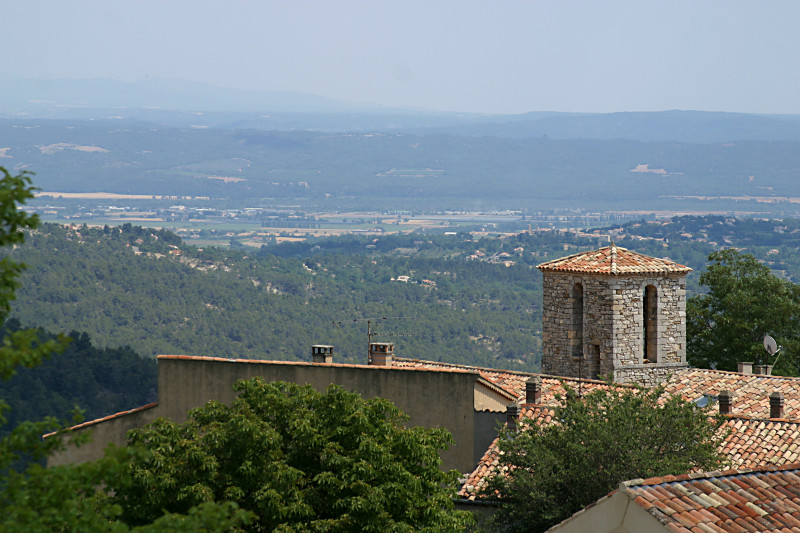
(613, 260)
(750, 391)
(489, 463)
(513, 382)
(750, 443)
(758, 442)
(753, 439)
(734, 500)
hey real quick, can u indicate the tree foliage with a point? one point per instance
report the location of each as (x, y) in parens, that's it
(594, 443)
(298, 459)
(745, 301)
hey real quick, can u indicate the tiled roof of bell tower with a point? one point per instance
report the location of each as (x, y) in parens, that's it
(613, 260)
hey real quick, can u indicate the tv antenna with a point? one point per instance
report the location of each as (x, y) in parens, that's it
(371, 333)
(772, 347)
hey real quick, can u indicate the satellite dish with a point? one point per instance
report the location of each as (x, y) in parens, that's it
(770, 345)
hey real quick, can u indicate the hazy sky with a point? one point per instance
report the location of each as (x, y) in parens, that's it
(474, 56)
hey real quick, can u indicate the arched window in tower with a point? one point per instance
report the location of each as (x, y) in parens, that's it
(576, 334)
(650, 323)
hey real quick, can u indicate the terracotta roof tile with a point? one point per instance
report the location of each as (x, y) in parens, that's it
(105, 418)
(759, 502)
(750, 391)
(751, 442)
(512, 382)
(613, 260)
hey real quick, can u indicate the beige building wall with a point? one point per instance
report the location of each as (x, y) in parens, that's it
(431, 398)
(616, 513)
(109, 430)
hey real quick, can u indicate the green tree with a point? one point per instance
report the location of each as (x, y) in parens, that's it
(595, 442)
(66, 498)
(300, 460)
(745, 301)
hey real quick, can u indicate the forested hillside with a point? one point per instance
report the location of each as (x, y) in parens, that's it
(98, 381)
(128, 286)
(441, 297)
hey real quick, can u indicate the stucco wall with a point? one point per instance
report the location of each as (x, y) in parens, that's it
(430, 398)
(104, 431)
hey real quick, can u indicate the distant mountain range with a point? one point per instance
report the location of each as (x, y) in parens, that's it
(175, 103)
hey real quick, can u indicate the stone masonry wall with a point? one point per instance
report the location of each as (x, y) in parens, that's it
(558, 325)
(647, 375)
(612, 326)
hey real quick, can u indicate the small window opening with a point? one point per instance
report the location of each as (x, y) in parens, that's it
(577, 320)
(650, 323)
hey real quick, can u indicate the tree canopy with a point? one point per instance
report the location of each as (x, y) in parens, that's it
(550, 471)
(299, 460)
(745, 301)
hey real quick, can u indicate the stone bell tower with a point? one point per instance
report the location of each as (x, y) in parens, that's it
(613, 312)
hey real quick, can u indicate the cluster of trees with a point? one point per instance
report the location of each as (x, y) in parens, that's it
(248, 304)
(99, 381)
(745, 301)
(174, 298)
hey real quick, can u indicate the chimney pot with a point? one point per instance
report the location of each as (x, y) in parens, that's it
(533, 390)
(381, 353)
(745, 367)
(322, 353)
(725, 400)
(512, 416)
(762, 370)
(776, 402)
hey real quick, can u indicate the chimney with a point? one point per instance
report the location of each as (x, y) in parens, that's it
(381, 353)
(322, 353)
(512, 416)
(725, 400)
(533, 390)
(762, 370)
(745, 368)
(776, 405)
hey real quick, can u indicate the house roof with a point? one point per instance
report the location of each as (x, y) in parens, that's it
(613, 260)
(753, 439)
(750, 391)
(749, 443)
(104, 419)
(513, 382)
(489, 464)
(735, 500)
(758, 442)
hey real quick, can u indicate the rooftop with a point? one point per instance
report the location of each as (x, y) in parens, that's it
(512, 382)
(750, 391)
(753, 441)
(750, 443)
(613, 260)
(735, 500)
